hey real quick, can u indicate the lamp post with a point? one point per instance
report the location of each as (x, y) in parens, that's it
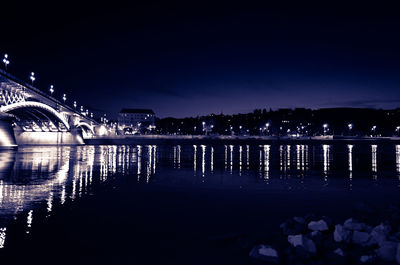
(325, 126)
(64, 98)
(51, 90)
(398, 130)
(32, 77)
(74, 104)
(350, 126)
(6, 61)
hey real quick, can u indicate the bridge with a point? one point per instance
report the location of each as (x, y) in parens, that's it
(30, 116)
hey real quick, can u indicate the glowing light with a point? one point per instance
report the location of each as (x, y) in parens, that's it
(203, 159)
(231, 157)
(212, 160)
(240, 160)
(281, 159)
(398, 161)
(260, 161)
(373, 162)
(29, 220)
(179, 156)
(103, 130)
(2, 236)
(225, 156)
(350, 147)
(50, 202)
(326, 151)
(154, 158)
(149, 163)
(6, 61)
(325, 126)
(266, 161)
(32, 77)
(194, 159)
(298, 162)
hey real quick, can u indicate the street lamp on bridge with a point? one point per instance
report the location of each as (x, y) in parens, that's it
(6, 61)
(32, 77)
(64, 98)
(51, 90)
(325, 126)
(74, 104)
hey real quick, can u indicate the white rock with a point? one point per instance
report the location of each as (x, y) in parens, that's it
(387, 251)
(265, 253)
(339, 252)
(302, 241)
(360, 237)
(320, 225)
(340, 234)
(296, 240)
(366, 258)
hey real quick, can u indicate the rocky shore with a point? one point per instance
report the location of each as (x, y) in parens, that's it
(312, 239)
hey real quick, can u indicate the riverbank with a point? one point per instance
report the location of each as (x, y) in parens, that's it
(224, 139)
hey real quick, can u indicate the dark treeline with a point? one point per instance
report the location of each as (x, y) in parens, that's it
(299, 121)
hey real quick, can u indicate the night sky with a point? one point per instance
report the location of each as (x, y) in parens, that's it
(197, 57)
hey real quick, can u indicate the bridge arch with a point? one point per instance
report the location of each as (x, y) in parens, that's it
(36, 112)
(86, 127)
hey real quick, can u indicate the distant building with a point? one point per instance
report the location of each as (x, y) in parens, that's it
(133, 121)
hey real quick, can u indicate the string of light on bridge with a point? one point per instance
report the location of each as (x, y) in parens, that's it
(32, 78)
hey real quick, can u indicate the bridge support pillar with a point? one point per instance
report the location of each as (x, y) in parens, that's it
(7, 138)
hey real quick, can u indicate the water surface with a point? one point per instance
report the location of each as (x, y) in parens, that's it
(182, 197)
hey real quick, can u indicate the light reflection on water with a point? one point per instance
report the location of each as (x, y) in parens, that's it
(52, 175)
